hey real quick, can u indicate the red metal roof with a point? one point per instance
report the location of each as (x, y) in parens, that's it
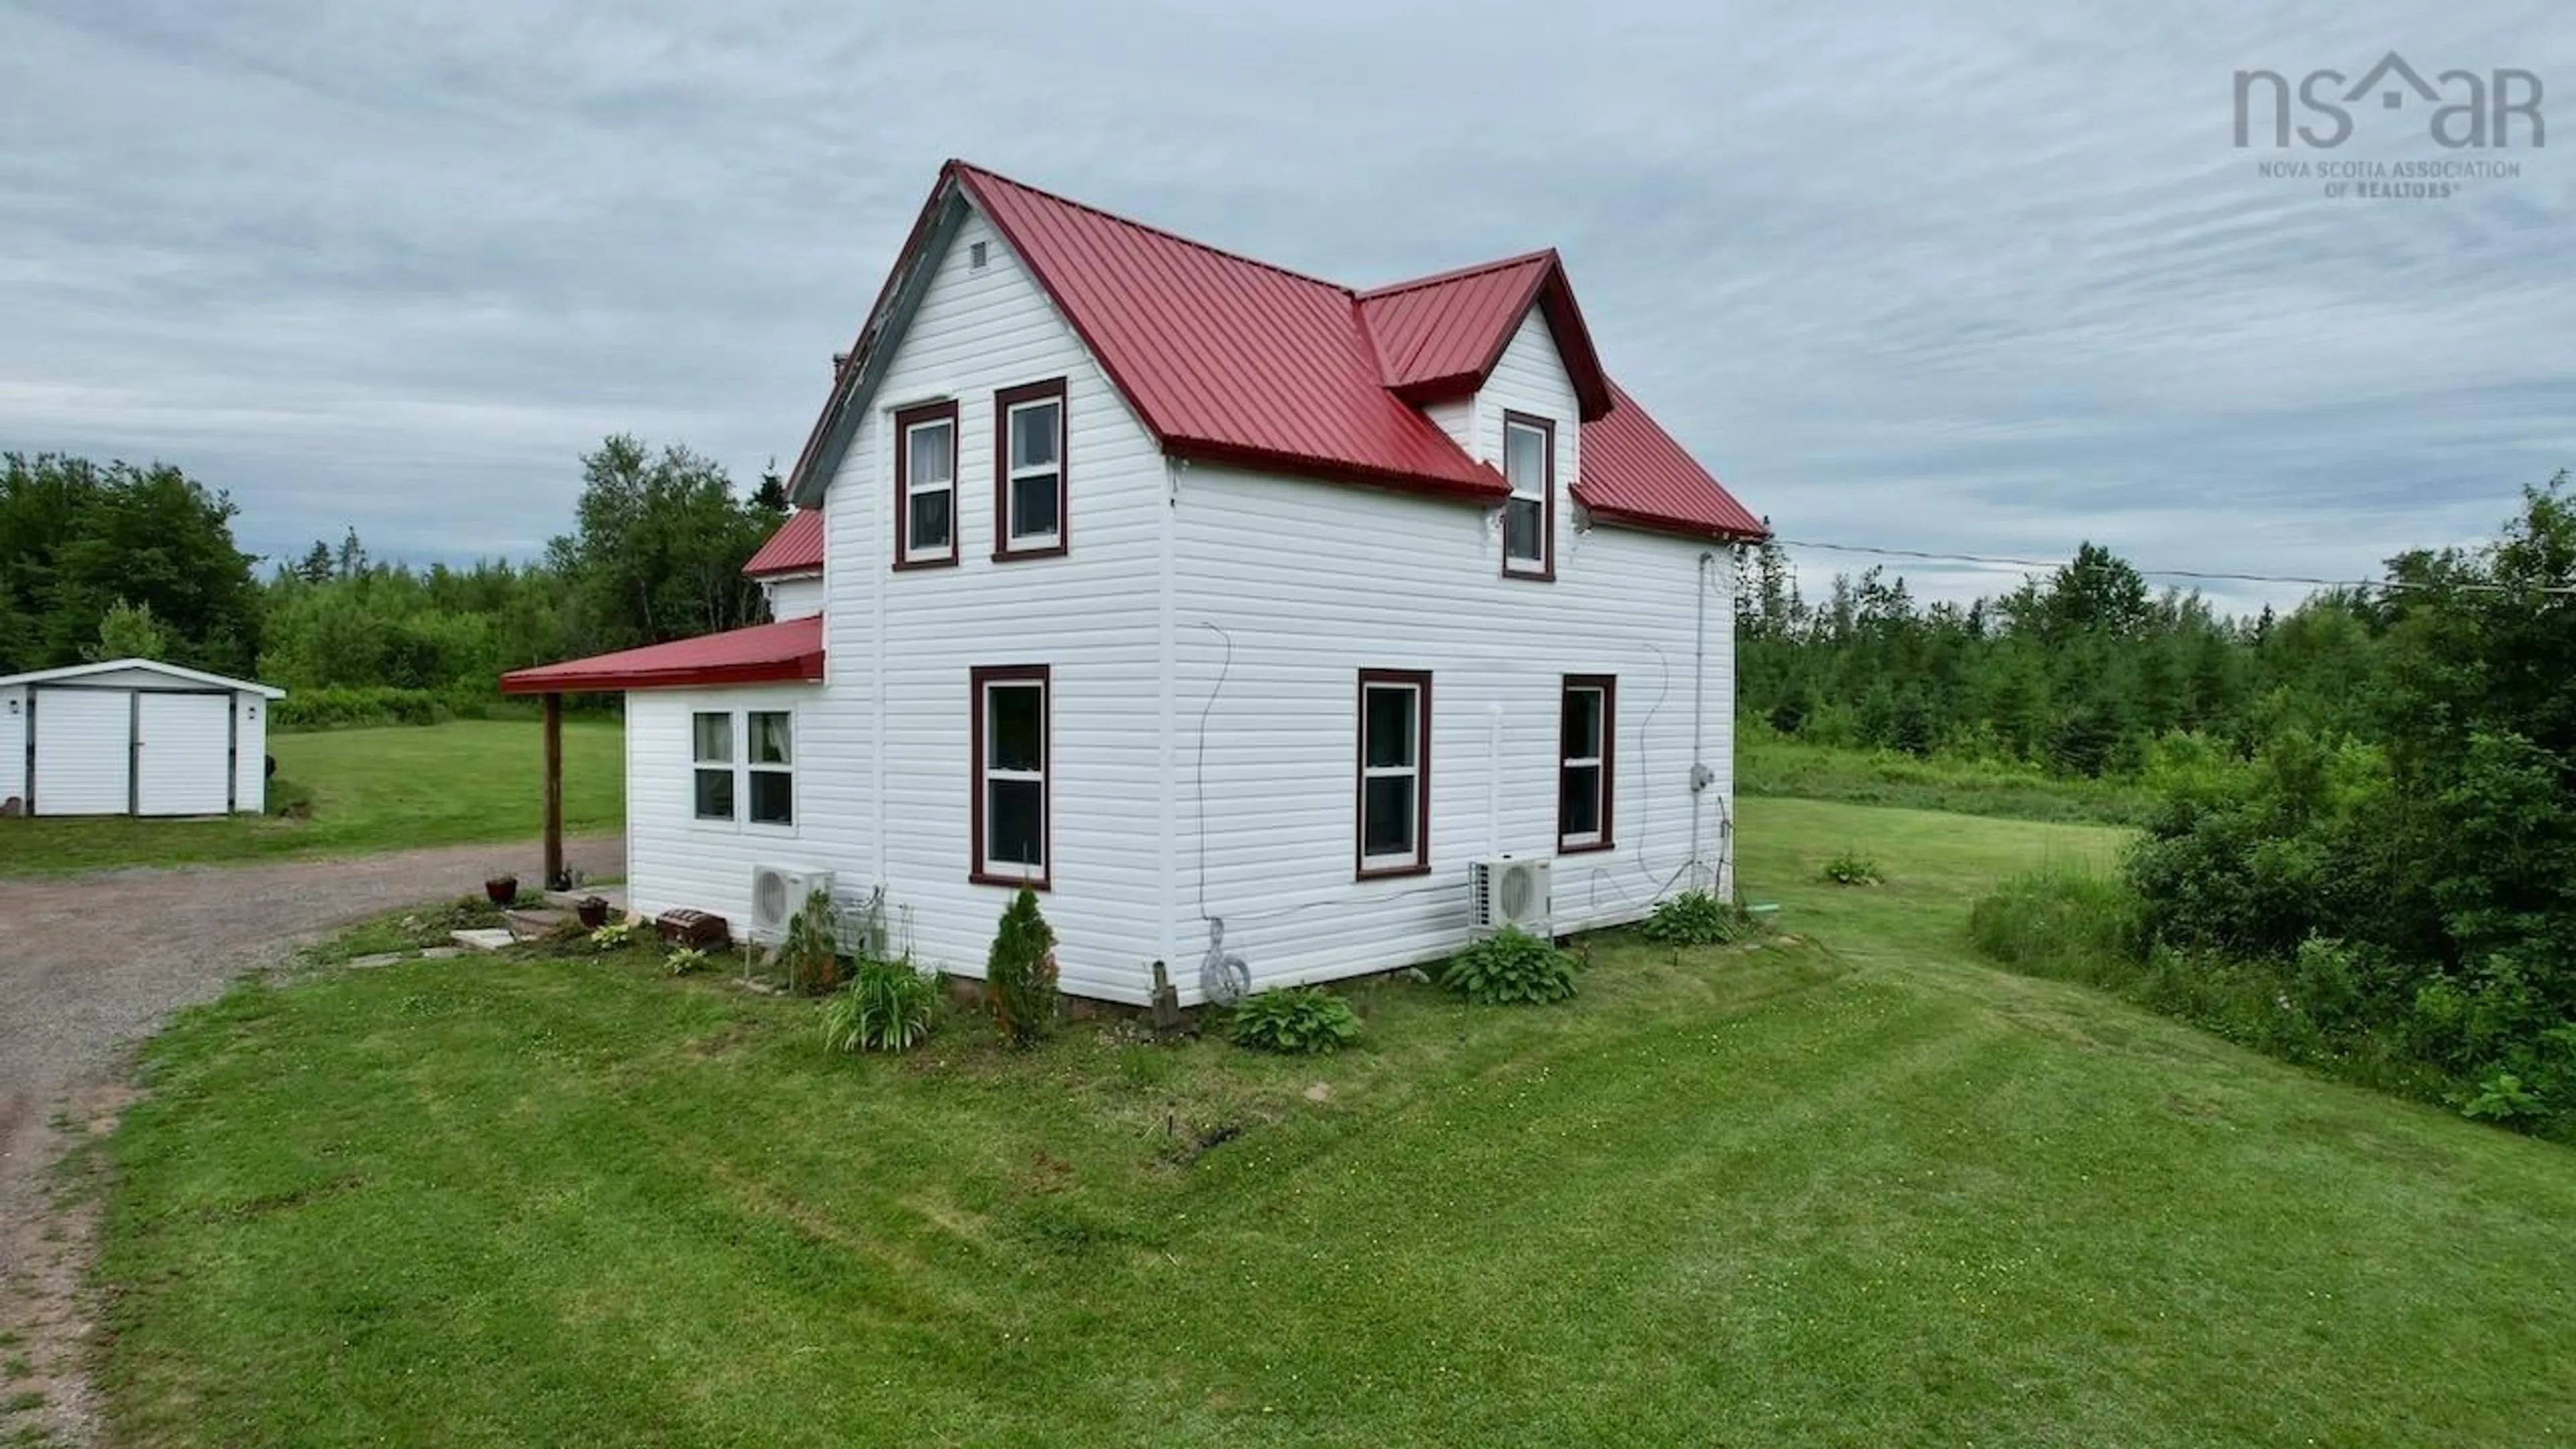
(1634, 473)
(762, 654)
(1226, 358)
(1441, 336)
(1438, 332)
(1234, 360)
(797, 546)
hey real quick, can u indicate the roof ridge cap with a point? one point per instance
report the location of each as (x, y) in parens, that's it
(970, 168)
(1459, 274)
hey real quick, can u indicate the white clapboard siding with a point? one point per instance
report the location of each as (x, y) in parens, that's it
(883, 775)
(800, 598)
(1091, 616)
(1314, 583)
(1173, 799)
(1457, 418)
(674, 859)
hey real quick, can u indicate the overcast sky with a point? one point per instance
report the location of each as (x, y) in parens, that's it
(1956, 278)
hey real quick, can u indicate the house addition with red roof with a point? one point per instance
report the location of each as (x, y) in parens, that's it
(1237, 612)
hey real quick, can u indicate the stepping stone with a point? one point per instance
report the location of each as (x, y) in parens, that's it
(381, 958)
(442, 953)
(493, 939)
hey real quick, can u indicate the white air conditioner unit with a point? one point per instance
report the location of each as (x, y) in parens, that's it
(777, 893)
(1510, 890)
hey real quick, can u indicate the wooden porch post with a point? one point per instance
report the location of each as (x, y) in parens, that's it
(554, 792)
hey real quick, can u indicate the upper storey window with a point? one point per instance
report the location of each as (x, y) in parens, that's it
(925, 486)
(1529, 515)
(1029, 490)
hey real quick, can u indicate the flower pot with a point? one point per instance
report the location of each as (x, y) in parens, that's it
(502, 889)
(593, 911)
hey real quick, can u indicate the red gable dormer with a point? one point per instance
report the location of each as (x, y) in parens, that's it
(1440, 337)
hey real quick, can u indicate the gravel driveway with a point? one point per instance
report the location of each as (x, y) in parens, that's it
(90, 965)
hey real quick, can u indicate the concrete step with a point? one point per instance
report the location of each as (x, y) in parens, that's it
(530, 924)
(490, 939)
(571, 900)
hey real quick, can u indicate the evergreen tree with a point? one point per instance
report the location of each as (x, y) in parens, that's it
(770, 495)
(1020, 973)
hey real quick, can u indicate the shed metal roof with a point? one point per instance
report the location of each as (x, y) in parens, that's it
(74, 673)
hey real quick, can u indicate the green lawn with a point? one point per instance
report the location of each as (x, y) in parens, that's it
(1772, 765)
(371, 789)
(1855, 1190)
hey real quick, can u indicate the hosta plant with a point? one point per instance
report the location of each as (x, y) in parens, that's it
(1511, 967)
(1296, 1021)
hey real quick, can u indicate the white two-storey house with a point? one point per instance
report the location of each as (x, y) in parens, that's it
(1212, 601)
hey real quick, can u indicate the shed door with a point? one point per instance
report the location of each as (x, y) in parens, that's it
(84, 741)
(183, 759)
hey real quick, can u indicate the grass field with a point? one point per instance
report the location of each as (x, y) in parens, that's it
(1772, 765)
(1849, 1190)
(371, 789)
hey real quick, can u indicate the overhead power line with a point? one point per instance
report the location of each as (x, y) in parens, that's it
(2198, 575)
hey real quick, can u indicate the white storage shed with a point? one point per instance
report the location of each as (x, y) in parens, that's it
(133, 737)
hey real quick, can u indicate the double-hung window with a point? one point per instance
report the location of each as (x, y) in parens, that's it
(770, 767)
(711, 746)
(925, 486)
(1394, 772)
(1529, 515)
(743, 766)
(1012, 769)
(1584, 787)
(1029, 485)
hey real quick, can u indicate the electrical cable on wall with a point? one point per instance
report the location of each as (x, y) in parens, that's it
(1646, 732)
(1198, 797)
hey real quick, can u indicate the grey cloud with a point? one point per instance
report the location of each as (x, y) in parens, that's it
(1920, 275)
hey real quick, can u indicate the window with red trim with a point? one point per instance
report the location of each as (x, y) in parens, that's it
(925, 486)
(1013, 773)
(1585, 784)
(1394, 807)
(1030, 490)
(1529, 515)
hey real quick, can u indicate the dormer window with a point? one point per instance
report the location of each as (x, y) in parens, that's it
(925, 486)
(1029, 492)
(1529, 515)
